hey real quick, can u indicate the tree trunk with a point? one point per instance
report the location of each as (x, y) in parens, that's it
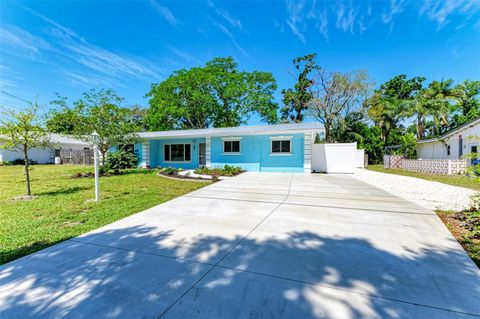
(104, 157)
(420, 126)
(27, 173)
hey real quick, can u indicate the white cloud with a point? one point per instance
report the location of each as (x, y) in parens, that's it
(184, 55)
(22, 43)
(296, 16)
(65, 48)
(164, 12)
(346, 20)
(222, 28)
(234, 22)
(439, 11)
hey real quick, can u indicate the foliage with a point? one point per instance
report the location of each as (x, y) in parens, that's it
(22, 131)
(335, 95)
(296, 100)
(468, 107)
(438, 98)
(120, 160)
(63, 210)
(393, 102)
(408, 146)
(98, 111)
(227, 170)
(21, 161)
(217, 94)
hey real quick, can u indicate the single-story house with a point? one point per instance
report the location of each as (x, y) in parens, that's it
(463, 140)
(265, 148)
(47, 155)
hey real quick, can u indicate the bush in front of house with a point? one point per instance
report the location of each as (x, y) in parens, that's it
(21, 161)
(120, 160)
(227, 170)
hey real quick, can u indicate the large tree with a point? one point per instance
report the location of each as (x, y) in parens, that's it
(468, 106)
(99, 111)
(393, 102)
(335, 95)
(296, 100)
(217, 94)
(439, 98)
(22, 131)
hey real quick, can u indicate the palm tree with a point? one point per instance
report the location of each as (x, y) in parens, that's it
(438, 99)
(386, 112)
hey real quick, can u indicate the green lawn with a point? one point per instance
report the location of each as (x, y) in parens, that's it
(63, 208)
(455, 180)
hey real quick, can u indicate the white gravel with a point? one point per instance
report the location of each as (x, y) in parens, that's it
(431, 195)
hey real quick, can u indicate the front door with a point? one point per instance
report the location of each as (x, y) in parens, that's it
(202, 154)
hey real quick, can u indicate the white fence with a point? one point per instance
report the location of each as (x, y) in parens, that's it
(440, 166)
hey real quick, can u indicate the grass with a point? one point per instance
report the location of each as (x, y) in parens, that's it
(455, 180)
(63, 206)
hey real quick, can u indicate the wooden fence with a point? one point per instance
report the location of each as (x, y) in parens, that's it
(77, 156)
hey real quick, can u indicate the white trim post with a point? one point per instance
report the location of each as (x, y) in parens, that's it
(208, 152)
(307, 152)
(146, 154)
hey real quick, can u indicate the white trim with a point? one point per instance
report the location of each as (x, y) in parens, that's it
(170, 144)
(208, 152)
(231, 153)
(281, 137)
(281, 154)
(232, 138)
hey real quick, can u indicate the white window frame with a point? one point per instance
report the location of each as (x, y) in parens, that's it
(280, 138)
(170, 147)
(232, 139)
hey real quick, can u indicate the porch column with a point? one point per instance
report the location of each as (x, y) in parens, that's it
(208, 152)
(146, 154)
(307, 152)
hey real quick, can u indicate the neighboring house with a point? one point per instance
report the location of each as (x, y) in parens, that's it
(453, 145)
(266, 148)
(47, 155)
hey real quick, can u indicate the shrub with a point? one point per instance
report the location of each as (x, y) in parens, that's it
(5, 163)
(21, 161)
(227, 170)
(120, 160)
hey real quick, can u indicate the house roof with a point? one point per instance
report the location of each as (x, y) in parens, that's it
(239, 130)
(66, 139)
(458, 129)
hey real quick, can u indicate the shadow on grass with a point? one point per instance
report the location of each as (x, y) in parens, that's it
(64, 191)
(141, 272)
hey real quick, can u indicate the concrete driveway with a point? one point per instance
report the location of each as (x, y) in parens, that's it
(260, 245)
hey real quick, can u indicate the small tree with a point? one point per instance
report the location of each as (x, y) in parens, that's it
(98, 111)
(22, 131)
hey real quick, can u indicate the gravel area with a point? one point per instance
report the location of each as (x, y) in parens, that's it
(431, 195)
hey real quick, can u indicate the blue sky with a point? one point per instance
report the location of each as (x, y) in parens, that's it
(71, 46)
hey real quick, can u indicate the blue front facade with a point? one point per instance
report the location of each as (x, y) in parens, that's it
(254, 154)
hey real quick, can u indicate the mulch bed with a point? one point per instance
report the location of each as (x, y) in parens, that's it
(465, 228)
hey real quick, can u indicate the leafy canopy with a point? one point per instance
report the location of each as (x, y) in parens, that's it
(296, 100)
(99, 111)
(21, 131)
(217, 94)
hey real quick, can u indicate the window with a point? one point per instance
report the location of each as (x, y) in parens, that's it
(281, 147)
(177, 152)
(231, 146)
(448, 150)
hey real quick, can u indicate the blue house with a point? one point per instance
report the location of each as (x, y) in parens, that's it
(262, 148)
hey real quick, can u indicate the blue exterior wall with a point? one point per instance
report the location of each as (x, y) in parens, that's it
(255, 154)
(157, 157)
